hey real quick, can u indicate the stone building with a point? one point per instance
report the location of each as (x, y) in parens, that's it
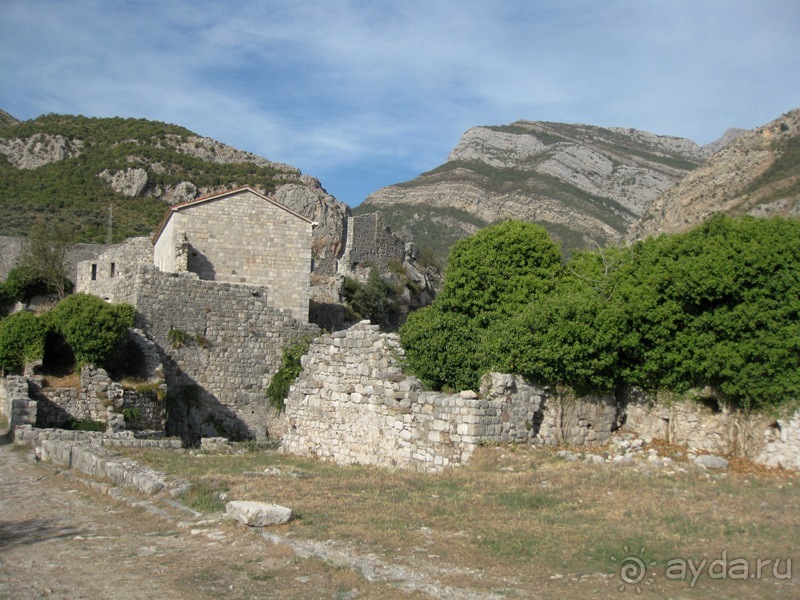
(370, 241)
(231, 273)
(240, 236)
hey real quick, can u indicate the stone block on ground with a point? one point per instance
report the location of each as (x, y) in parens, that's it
(709, 461)
(258, 514)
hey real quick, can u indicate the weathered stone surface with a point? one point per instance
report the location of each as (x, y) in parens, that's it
(258, 514)
(352, 404)
(592, 181)
(38, 150)
(129, 182)
(709, 461)
(724, 183)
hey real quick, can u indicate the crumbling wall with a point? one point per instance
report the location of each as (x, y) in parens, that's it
(226, 344)
(369, 240)
(18, 407)
(11, 249)
(97, 399)
(110, 275)
(716, 429)
(353, 405)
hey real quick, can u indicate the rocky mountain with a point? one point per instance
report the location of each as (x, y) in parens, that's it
(758, 173)
(586, 185)
(74, 168)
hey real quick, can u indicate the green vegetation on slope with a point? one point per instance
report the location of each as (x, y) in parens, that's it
(784, 169)
(72, 189)
(428, 225)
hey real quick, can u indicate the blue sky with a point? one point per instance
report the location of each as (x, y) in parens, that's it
(363, 94)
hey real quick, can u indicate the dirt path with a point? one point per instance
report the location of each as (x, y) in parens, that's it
(60, 538)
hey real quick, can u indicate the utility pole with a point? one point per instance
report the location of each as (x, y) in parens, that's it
(110, 222)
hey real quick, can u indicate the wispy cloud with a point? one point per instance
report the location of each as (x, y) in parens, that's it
(365, 93)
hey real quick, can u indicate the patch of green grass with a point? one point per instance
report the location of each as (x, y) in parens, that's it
(204, 497)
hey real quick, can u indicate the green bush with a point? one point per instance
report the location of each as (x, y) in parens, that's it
(376, 300)
(490, 277)
(290, 368)
(718, 306)
(92, 328)
(22, 337)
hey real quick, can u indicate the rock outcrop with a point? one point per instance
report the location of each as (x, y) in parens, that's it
(38, 150)
(130, 182)
(311, 200)
(585, 184)
(758, 173)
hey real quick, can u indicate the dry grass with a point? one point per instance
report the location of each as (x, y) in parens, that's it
(67, 380)
(518, 518)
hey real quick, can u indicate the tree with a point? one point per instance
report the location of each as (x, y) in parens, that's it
(22, 338)
(92, 328)
(490, 277)
(45, 255)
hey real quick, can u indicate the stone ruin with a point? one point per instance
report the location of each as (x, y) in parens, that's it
(353, 405)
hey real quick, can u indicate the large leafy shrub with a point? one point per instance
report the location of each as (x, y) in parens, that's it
(718, 306)
(489, 277)
(92, 328)
(22, 337)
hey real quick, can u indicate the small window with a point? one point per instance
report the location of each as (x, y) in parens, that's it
(113, 270)
(94, 272)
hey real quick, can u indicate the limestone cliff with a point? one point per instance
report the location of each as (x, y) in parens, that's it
(585, 184)
(758, 173)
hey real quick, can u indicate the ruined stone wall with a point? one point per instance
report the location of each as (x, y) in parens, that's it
(245, 239)
(97, 399)
(369, 240)
(11, 249)
(771, 442)
(109, 275)
(353, 405)
(233, 342)
(17, 405)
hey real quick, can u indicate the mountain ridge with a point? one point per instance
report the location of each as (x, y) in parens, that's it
(76, 167)
(757, 173)
(585, 184)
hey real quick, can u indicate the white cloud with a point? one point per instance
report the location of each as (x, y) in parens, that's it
(334, 86)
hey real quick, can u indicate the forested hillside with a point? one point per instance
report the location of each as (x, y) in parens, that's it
(74, 168)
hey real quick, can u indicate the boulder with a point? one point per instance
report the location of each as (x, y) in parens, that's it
(709, 461)
(258, 514)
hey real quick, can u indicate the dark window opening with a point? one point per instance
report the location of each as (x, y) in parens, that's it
(113, 270)
(94, 272)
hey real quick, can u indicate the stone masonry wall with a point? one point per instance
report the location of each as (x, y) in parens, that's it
(97, 399)
(370, 240)
(109, 274)
(774, 443)
(17, 405)
(26, 402)
(11, 249)
(244, 238)
(353, 405)
(233, 345)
